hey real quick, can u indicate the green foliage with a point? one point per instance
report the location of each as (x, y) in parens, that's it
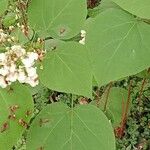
(116, 100)
(14, 105)
(144, 74)
(9, 20)
(57, 18)
(118, 47)
(138, 131)
(105, 4)
(136, 7)
(3, 6)
(79, 128)
(66, 69)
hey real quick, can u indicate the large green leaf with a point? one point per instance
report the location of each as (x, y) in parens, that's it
(3, 5)
(140, 8)
(58, 18)
(18, 96)
(67, 69)
(119, 45)
(58, 127)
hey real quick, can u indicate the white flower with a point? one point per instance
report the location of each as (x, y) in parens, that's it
(11, 28)
(33, 81)
(18, 50)
(4, 71)
(29, 60)
(33, 56)
(31, 72)
(12, 77)
(82, 41)
(3, 36)
(2, 57)
(83, 33)
(21, 76)
(3, 83)
(12, 68)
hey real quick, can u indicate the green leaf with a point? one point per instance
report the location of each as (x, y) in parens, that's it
(117, 98)
(3, 6)
(144, 74)
(61, 19)
(20, 36)
(18, 96)
(58, 127)
(140, 8)
(9, 20)
(119, 45)
(67, 69)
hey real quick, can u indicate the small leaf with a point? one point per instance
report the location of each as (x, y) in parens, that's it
(9, 20)
(67, 69)
(116, 100)
(21, 37)
(140, 8)
(58, 127)
(14, 105)
(61, 19)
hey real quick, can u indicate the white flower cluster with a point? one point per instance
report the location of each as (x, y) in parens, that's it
(3, 36)
(83, 35)
(16, 64)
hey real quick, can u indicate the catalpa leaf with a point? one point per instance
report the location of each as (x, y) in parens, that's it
(58, 18)
(16, 107)
(119, 45)
(59, 127)
(140, 8)
(67, 69)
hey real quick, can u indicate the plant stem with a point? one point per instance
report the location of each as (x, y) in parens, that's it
(107, 95)
(142, 88)
(141, 91)
(127, 106)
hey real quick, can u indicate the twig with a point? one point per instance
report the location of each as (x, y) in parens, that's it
(107, 95)
(127, 107)
(142, 88)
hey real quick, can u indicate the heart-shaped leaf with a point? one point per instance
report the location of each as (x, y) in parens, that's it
(67, 69)
(119, 45)
(58, 18)
(58, 127)
(16, 108)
